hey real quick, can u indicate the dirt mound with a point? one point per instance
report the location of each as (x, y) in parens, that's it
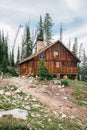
(59, 99)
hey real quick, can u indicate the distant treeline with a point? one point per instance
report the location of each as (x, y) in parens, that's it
(43, 33)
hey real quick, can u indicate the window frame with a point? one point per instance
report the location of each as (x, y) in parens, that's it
(56, 52)
(57, 64)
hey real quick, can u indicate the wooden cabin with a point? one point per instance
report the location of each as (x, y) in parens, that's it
(58, 59)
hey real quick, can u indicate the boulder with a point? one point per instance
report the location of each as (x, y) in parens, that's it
(17, 113)
(57, 82)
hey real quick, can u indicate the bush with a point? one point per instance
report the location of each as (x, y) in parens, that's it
(13, 72)
(49, 76)
(64, 82)
(8, 71)
(43, 72)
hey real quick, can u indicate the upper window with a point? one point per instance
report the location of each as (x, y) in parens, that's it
(41, 56)
(55, 53)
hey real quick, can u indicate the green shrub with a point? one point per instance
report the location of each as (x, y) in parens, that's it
(13, 72)
(49, 76)
(43, 72)
(64, 82)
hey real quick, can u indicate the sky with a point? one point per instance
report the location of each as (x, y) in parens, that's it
(71, 13)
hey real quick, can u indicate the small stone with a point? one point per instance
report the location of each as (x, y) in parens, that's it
(59, 86)
(18, 91)
(7, 93)
(57, 94)
(63, 116)
(54, 112)
(57, 82)
(32, 86)
(49, 120)
(31, 80)
(1, 92)
(63, 86)
(65, 98)
(72, 117)
(27, 107)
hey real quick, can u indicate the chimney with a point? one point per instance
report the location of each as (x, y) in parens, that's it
(40, 45)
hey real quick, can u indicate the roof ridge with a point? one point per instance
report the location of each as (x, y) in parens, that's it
(45, 48)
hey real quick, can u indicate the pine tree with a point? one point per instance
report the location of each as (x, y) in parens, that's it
(3, 52)
(40, 34)
(18, 56)
(75, 47)
(26, 43)
(4, 64)
(83, 67)
(0, 49)
(48, 28)
(12, 59)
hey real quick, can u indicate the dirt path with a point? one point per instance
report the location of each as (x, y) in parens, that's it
(56, 99)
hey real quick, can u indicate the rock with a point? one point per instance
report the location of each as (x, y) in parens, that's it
(1, 92)
(31, 80)
(36, 105)
(55, 113)
(23, 77)
(34, 99)
(63, 86)
(49, 119)
(17, 113)
(32, 86)
(18, 91)
(63, 116)
(65, 98)
(7, 93)
(27, 107)
(57, 82)
(57, 94)
(59, 86)
(72, 117)
(45, 86)
(65, 77)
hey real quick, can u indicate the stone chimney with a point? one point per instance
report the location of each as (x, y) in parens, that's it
(40, 45)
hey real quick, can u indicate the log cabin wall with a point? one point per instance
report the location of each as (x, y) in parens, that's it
(26, 68)
(57, 59)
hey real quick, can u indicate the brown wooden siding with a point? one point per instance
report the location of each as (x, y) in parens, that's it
(67, 62)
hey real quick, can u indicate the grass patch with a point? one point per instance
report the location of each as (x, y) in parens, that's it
(80, 92)
(64, 82)
(13, 87)
(7, 106)
(9, 123)
(21, 93)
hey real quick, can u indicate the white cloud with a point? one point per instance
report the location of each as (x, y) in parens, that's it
(70, 12)
(74, 4)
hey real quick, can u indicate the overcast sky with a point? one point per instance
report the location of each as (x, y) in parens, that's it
(72, 14)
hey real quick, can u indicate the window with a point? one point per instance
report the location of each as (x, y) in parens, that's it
(55, 53)
(71, 64)
(41, 56)
(57, 64)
